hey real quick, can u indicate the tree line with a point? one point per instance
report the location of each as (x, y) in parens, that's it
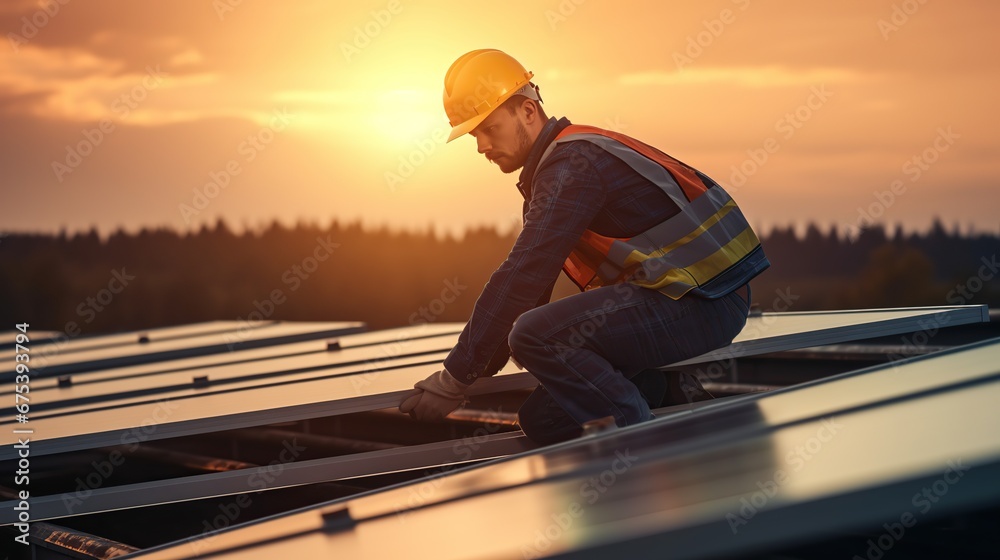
(344, 272)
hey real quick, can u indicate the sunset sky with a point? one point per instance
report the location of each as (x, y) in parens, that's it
(808, 111)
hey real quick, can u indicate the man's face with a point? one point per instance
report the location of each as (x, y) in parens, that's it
(503, 139)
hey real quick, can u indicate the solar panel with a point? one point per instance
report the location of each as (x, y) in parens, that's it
(227, 408)
(259, 372)
(8, 339)
(775, 332)
(47, 365)
(250, 403)
(90, 342)
(823, 398)
(832, 455)
(344, 467)
(826, 396)
(354, 340)
(328, 469)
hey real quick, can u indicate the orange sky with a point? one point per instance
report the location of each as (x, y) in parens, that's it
(301, 109)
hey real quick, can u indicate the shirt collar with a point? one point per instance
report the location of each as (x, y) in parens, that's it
(548, 133)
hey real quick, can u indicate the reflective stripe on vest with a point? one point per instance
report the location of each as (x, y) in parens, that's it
(698, 244)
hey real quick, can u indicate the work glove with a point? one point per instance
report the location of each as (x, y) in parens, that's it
(433, 398)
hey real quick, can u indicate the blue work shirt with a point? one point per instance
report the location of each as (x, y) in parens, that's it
(578, 188)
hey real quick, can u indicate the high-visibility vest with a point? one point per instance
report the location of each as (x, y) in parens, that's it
(707, 248)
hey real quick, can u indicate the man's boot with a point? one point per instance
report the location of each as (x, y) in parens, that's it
(652, 384)
(684, 388)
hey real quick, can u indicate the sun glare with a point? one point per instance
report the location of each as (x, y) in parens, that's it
(404, 116)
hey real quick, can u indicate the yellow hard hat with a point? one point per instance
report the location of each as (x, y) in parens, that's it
(479, 82)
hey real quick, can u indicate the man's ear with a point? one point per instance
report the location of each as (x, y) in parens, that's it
(530, 108)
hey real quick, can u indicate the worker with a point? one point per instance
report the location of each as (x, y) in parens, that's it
(662, 254)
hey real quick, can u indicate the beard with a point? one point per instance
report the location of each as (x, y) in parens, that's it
(517, 159)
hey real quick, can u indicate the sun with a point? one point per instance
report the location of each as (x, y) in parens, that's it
(403, 116)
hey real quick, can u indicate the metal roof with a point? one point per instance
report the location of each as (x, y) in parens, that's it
(48, 363)
(728, 479)
(190, 386)
(370, 377)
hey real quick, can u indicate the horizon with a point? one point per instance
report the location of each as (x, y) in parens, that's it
(174, 114)
(798, 229)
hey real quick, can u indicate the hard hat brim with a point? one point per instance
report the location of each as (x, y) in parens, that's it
(466, 126)
(470, 124)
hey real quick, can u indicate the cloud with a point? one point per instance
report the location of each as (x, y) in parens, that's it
(742, 76)
(23, 8)
(76, 85)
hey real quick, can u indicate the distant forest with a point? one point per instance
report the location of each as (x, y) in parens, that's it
(385, 278)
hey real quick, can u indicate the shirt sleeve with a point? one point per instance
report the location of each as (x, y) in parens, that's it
(567, 194)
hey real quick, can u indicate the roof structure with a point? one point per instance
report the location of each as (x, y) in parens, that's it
(198, 414)
(831, 455)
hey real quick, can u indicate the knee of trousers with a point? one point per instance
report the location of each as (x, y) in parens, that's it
(523, 337)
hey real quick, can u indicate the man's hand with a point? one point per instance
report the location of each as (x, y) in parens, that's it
(433, 398)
